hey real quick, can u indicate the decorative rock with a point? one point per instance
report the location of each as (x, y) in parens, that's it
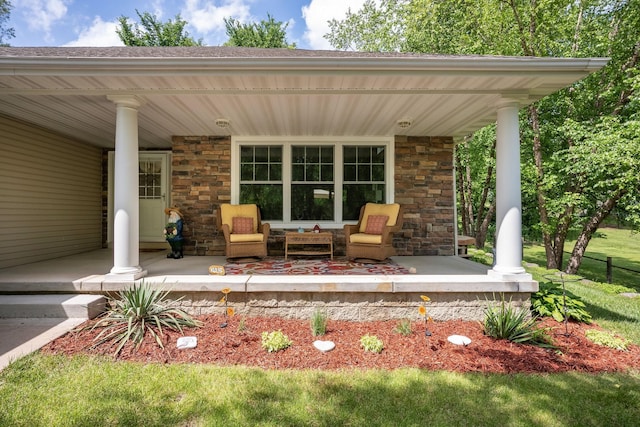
(459, 340)
(324, 346)
(187, 342)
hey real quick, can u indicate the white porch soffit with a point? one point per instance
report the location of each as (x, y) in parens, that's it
(270, 91)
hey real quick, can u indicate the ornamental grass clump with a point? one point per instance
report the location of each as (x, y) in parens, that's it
(275, 341)
(318, 323)
(403, 327)
(503, 321)
(136, 311)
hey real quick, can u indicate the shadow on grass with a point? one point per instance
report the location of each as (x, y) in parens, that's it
(153, 395)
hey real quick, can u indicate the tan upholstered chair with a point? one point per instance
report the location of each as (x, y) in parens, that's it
(372, 237)
(244, 233)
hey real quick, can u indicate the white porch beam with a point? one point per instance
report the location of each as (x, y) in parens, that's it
(126, 225)
(508, 261)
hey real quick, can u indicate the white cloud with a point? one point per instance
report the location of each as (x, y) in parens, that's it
(318, 14)
(40, 15)
(208, 19)
(100, 33)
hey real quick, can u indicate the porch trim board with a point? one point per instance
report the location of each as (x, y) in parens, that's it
(355, 298)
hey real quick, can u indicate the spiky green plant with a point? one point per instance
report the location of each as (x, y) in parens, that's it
(136, 311)
(503, 321)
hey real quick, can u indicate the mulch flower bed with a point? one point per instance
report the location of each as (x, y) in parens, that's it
(239, 343)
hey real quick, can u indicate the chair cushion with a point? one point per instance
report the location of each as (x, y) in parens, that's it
(376, 224)
(242, 225)
(369, 239)
(391, 210)
(228, 212)
(246, 238)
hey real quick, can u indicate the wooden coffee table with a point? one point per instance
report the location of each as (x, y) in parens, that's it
(307, 239)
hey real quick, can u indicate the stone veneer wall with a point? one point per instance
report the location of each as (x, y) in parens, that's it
(424, 186)
(352, 306)
(201, 181)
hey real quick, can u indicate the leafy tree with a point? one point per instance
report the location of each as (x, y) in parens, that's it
(5, 14)
(564, 136)
(265, 34)
(154, 32)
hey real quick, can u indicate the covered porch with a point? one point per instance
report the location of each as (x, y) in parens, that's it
(458, 288)
(79, 123)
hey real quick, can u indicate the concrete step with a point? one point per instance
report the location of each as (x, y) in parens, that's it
(61, 306)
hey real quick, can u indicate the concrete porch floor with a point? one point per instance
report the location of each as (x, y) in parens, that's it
(70, 273)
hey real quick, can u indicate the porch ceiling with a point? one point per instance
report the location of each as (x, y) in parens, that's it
(275, 92)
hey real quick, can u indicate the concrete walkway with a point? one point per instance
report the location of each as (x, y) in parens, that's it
(19, 337)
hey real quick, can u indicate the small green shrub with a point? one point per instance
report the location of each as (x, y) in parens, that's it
(611, 288)
(480, 256)
(404, 327)
(318, 323)
(371, 343)
(136, 311)
(275, 341)
(607, 339)
(503, 321)
(550, 301)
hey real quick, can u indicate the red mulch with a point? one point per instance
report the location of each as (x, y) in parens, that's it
(229, 346)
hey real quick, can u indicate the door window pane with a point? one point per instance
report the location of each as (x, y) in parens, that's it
(149, 179)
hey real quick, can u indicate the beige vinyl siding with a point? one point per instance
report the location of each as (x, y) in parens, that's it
(50, 195)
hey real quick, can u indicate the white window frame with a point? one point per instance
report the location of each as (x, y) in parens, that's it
(287, 143)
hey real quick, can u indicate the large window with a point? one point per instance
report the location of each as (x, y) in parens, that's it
(312, 183)
(261, 178)
(364, 178)
(301, 182)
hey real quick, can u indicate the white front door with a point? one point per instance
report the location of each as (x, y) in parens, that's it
(153, 185)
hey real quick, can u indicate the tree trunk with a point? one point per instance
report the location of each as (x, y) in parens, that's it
(483, 218)
(463, 195)
(481, 232)
(542, 198)
(589, 228)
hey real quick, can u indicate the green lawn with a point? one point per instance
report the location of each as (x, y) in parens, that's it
(622, 245)
(83, 391)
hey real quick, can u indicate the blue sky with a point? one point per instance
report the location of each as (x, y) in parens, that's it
(93, 22)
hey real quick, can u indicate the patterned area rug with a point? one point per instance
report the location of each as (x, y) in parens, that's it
(278, 266)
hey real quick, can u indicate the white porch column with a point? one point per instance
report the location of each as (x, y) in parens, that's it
(508, 193)
(126, 224)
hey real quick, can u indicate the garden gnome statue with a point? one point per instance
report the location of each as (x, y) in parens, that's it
(173, 232)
